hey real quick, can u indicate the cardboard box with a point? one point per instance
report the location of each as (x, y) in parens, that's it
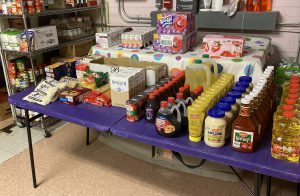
(175, 22)
(187, 5)
(73, 96)
(61, 69)
(125, 84)
(76, 50)
(5, 111)
(44, 37)
(154, 71)
(221, 45)
(109, 38)
(173, 44)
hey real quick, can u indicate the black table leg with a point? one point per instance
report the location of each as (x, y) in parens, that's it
(30, 148)
(257, 184)
(269, 185)
(298, 189)
(87, 136)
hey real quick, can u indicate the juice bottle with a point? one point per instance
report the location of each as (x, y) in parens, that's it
(265, 5)
(244, 132)
(249, 6)
(151, 108)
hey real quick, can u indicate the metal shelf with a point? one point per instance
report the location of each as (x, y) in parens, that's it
(52, 12)
(61, 45)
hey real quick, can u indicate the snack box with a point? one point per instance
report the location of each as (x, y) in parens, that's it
(138, 38)
(223, 45)
(175, 22)
(81, 69)
(44, 37)
(61, 69)
(109, 38)
(173, 43)
(73, 96)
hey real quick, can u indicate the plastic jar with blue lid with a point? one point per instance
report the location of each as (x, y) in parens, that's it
(231, 101)
(215, 128)
(236, 95)
(247, 79)
(244, 85)
(229, 116)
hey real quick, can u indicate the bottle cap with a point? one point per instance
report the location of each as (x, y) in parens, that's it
(248, 96)
(163, 104)
(198, 61)
(206, 56)
(187, 86)
(245, 101)
(288, 107)
(290, 101)
(156, 91)
(242, 84)
(289, 114)
(239, 89)
(228, 99)
(223, 106)
(270, 67)
(179, 96)
(194, 139)
(152, 95)
(234, 94)
(200, 88)
(293, 96)
(216, 113)
(295, 76)
(245, 79)
(182, 74)
(294, 85)
(254, 94)
(294, 90)
(171, 99)
(181, 89)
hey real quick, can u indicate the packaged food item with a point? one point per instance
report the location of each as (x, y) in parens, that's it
(99, 97)
(171, 43)
(73, 96)
(137, 38)
(222, 45)
(175, 22)
(196, 116)
(93, 80)
(109, 38)
(215, 128)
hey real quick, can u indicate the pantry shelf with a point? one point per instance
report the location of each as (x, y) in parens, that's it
(49, 12)
(61, 45)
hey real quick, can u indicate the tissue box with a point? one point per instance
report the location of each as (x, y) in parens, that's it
(222, 45)
(172, 43)
(175, 22)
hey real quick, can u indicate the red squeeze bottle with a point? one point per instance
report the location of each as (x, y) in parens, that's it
(293, 96)
(290, 101)
(294, 90)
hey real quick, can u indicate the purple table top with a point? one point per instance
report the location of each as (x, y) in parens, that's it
(260, 161)
(99, 118)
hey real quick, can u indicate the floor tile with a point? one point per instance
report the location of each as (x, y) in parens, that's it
(4, 157)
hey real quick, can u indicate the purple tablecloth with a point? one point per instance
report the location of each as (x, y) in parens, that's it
(260, 161)
(99, 118)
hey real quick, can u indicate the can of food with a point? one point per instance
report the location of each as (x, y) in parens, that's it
(132, 109)
(24, 83)
(20, 65)
(141, 101)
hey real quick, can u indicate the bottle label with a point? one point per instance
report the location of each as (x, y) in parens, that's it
(243, 139)
(245, 111)
(215, 135)
(164, 125)
(149, 113)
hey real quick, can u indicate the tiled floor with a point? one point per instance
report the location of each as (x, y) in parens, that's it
(16, 141)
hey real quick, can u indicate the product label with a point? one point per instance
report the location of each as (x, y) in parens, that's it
(216, 134)
(166, 40)
(149, 113)
(164, 125)
(243, 139)
(168, 20)
(245, 111)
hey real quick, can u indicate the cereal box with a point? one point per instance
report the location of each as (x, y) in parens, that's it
(175, 22)
(222, 45)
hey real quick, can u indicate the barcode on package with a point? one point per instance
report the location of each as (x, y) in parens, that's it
(166, 40)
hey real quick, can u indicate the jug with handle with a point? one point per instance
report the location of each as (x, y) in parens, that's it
(213, 67)
(199, 74)
(166, 123)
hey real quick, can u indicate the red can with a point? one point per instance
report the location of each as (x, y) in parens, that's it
(132, 110)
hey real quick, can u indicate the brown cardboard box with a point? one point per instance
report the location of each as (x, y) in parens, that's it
(77, 50)
(154, 71)
(5, 111)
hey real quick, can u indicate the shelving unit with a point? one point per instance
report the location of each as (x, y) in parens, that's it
(31, 54)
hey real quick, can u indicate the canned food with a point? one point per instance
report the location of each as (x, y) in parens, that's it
(24, 83)
(17, 82)
(20, 65)
(141, 101)
(132, 109)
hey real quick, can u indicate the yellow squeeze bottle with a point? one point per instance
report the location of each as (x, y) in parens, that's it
(196, 117)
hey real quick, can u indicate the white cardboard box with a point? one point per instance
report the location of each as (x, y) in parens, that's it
(109, 38)
(44, 37)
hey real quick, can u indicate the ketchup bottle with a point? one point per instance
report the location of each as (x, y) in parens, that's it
(187, 90)
(151, 108)
(182, 90)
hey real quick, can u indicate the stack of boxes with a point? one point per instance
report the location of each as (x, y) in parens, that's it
(175, 32)
(61, 69)
(138, 38)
